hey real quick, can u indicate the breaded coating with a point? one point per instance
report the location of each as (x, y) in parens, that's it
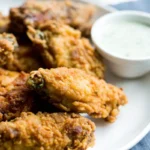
(17, 58)
(62, 46)
(73, 90)
(6, 78)
(4, 23)
(8, 44)
(15, 96)
(26, 59)
(43, 131)
(76, 14)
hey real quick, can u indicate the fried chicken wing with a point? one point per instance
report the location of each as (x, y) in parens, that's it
(34, 12)
(43, 131)
(62, 46)
(15, 96)
(73, 90)
(17, 58)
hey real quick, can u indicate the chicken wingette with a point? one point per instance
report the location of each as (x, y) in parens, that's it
(76, 14)
(62, 46)
(44, 131)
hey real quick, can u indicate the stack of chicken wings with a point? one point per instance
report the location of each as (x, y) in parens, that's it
(50, 74)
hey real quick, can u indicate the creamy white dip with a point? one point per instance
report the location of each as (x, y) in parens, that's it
(126, 38)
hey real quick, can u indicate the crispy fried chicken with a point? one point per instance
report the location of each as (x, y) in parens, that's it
(73, 90)
(75, 14)
(62, 46)
(17, 58)
(43, 131)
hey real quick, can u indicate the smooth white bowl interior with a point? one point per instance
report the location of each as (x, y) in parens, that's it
(99, 27)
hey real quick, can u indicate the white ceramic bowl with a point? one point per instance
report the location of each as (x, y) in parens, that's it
(119, 65)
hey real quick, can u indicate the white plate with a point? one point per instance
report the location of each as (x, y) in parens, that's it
(133, 122)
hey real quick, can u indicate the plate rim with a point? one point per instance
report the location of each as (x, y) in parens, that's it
(137, 139)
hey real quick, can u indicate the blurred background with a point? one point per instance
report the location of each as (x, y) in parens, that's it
(142, 5)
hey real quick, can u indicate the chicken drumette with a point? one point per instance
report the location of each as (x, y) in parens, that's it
(73, 90)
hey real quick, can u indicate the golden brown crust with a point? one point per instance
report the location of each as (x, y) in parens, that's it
(74, 90)
(15, 97)
(26, 59)
(8, 44)
(43, 131)
(62, 46)
(68, 12)
(17, 58)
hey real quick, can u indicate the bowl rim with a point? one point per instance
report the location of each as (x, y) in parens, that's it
(139, 14)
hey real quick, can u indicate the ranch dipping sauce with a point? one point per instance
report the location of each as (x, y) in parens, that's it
(123, 39)
(126, 38)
